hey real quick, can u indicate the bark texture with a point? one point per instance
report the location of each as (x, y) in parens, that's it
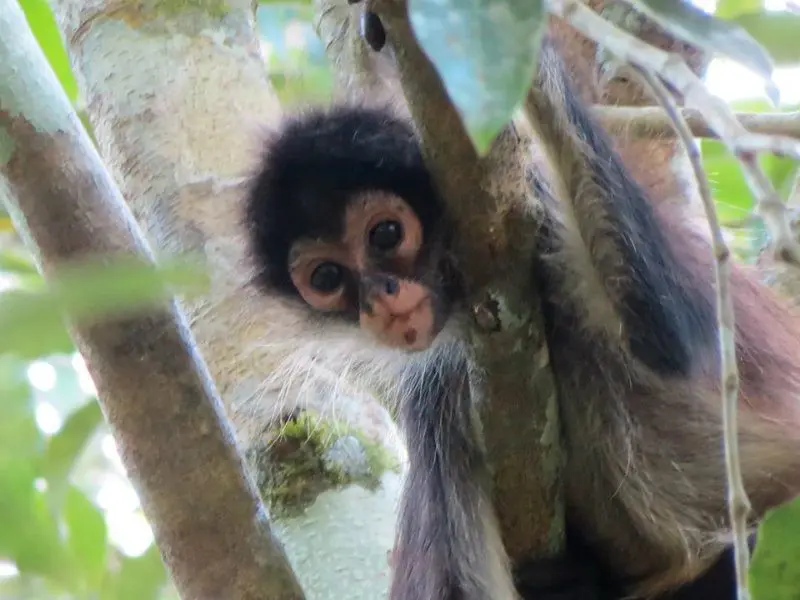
(495, 251)
(178, 98)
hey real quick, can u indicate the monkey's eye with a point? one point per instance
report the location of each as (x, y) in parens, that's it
(386, 235)
(327, 277)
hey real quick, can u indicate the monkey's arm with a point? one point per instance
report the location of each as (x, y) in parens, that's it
(448, 545)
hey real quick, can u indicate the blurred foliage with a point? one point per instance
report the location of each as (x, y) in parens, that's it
(777, 32)
(774, 574)
(31, 319)
(295, 56)
(70, 524)
(723, 38)
(54, 537)
(44, 28)
(729, 187)
(727, 9)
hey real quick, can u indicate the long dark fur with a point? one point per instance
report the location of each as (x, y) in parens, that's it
(311, 167)
(315, 165)
(631, 326)
(447, 544)
(629, 311)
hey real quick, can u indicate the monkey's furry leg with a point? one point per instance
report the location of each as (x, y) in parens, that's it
(607, 238)
(578, 576)
(628, 305)
(574, 576)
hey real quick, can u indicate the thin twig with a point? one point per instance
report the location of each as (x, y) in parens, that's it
(671, 68)
(652, 121)
(738, 502)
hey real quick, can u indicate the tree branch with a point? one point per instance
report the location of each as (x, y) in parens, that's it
(742, 144)
(156, 393)
(654, 122)
(495, 248)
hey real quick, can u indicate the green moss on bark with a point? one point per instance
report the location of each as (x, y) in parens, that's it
(306, 455)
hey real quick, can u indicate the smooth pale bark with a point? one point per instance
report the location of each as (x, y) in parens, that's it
(178, 99)
(155, 391)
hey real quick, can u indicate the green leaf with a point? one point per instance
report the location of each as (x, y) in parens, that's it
(16, 262)
(756, 105)
(727, 9)
(777, 32)
(733, 198)
(485, 52)
(66, 447)
(775, 571)
(781, 172)
(32, 323)
(691, 24)
(45, 29)
(138, 578)
(17, 488)
(20, 439)
(728, 185)
(28, 531)
(86, 536)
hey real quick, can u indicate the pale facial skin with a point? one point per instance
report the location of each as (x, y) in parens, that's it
(371, 271)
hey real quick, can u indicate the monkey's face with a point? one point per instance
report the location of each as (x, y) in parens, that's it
(381, 270)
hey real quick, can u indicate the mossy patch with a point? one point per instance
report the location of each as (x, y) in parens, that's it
(213, 8)
(193, 13)
(305, 455)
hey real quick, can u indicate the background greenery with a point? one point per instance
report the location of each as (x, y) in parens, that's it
(70, 523)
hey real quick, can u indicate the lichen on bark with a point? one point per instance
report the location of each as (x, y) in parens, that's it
(304, 455)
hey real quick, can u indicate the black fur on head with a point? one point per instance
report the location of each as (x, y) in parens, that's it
(314, 166)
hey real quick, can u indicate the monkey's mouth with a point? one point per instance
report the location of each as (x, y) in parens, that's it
(414, 330)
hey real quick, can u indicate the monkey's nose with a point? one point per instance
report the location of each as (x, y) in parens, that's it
(379, 284)
(391, 286)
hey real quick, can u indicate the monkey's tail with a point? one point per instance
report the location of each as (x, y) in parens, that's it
(448, 545)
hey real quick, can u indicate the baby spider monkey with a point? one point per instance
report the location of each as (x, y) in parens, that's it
(344, 218)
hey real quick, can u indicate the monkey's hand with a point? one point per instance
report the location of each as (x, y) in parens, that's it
(566, 578)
